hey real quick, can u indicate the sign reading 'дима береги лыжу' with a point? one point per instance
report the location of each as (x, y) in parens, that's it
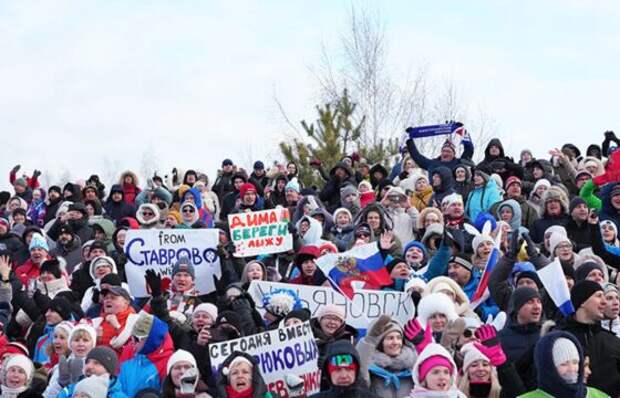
(159, 250)
(260, 232)
(278, 352)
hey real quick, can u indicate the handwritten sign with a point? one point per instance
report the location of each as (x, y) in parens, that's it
(260, 232)
(278, 352)
(159, 249)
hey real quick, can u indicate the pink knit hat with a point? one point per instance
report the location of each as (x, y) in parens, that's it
(433, 361)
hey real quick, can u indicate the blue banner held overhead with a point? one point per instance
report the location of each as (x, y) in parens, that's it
(432, 131)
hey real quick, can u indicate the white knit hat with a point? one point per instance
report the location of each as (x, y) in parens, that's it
(22, 362)
(208, 308)
(563, 351)
(479, 239)
(65, 326)
(331, 309)
(93, 386)
(555, 239)
(470, 355)
(179, 356)
(88, 329)
(452, 198)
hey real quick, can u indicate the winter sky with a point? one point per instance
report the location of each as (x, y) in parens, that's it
(97, 86)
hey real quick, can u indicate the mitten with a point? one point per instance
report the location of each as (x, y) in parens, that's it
(490, 346)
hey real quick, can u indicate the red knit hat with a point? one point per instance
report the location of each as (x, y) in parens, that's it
(245, 188)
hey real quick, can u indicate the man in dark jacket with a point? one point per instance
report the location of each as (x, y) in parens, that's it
(555, 212)
(340, 373)
(443, 184)
(259, 178)
(77, 218)
(603, 347)
(446, 158)
(68, 246)
(54, 200)
(224, 182)
(115, 206)
(577, 227)
(522, 331)
(8, 240)
(339, 176)
(229, 202)
(495, 161)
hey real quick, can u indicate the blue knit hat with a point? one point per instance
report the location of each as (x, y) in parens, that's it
(38, 241)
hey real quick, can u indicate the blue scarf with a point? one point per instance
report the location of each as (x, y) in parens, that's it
(389, 377)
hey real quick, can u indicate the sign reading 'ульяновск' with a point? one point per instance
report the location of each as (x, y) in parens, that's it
(260, 232)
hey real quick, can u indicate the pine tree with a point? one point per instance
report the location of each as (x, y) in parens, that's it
(332, 136)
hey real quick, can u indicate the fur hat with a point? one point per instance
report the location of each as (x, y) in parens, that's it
(556, 193)
(435, 303)
(424, 213)
(342, 210)
(147, 206)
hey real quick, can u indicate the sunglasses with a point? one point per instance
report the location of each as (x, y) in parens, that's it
(362, 235)
(188, 210)
(148, 213)
(341, 360)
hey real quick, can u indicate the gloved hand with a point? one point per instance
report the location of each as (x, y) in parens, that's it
(15, 169)
(498, 322)
(291, 228)
(189, 381)
(490, 346)
(610, 135)
(96, 295)
(64, 374)
(532, 249)
(513, 245)
(76, 369)
(419, 337)
(36, 174)
(153, 281)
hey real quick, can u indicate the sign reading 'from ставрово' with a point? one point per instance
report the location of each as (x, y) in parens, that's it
(260, 232)
(160, 249)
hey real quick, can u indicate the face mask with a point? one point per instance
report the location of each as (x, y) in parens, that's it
(479, 390)
(570, 378)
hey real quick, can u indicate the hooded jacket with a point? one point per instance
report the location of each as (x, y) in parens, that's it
(501, 164)
(114, 389)
(447, 184)
(323, 341)
(550, 384)
(147, 369)
(482, 198)
(515, 221)
(259, 388)
(118, 210)
(357, 390)
(130, 190)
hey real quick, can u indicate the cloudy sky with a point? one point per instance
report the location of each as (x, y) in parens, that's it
(100, 86)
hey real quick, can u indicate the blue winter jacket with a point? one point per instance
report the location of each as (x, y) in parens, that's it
(114, 389)
(481, 199)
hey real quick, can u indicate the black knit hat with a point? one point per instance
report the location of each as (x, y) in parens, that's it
(111, 279)
(53, 267)
(582, 291)
(584, 269)
(390, 266)
(303, 314)
(54, 188)
(519, 297)
(99, 244)
(65, 228)
(62, 307)
(105, 356)
(576, 201)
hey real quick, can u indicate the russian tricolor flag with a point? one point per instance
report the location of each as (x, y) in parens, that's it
(362, 265)
(554, 281)
(482, 292)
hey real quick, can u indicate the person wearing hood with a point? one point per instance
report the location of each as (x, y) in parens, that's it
(17, 374)
(329, 326)
(386, 359)
(233, 198)
(513, 189)
(204, 216)
(99, 268)
(239, 377)
(495, 161)
(149, 356)
(130, 186)
(350, 199)
(603, 347)
(100, 362)
(104, 231)
(403, 215)
(339, 176)
(462, 180)
(509, 211)
(342, 375)
(443, 184)
(183, 377)
(189, 214)
(484, 195)
(148, 216)
(310, 230)
(341, 233)
(446, 158)
(115, 205)
(254, 270)
(305, 261)
(422, 194)
(275, 193)
(555, 208)
(378, 173)
(561, 355)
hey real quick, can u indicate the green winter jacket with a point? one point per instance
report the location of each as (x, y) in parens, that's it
(592, 393)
